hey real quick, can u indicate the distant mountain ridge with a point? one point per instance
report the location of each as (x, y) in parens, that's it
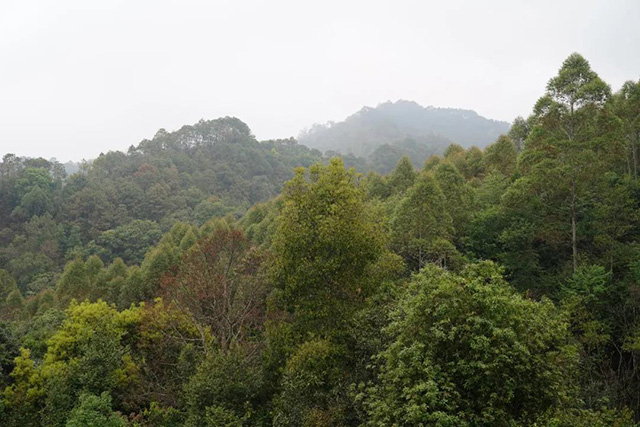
(392, 123)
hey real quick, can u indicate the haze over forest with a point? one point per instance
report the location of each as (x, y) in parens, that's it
(414, 262)
(78, 80)
(376, 138)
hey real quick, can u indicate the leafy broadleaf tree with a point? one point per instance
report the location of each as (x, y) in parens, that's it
(561, 143)
(468, 350)
(457, 197)
(220, 286)
(324, 246)
(501, 156)
(95, 411)
(419, 221)
(627, 107)
(403, 176)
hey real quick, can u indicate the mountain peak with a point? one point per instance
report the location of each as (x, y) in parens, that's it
(392, 122)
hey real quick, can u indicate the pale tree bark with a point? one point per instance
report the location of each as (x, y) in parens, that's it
(574, 238)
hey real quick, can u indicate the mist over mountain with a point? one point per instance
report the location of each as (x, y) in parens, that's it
(207, 278)
(377, 138)
(393, 123)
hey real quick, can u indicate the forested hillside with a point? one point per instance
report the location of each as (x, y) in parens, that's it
(402, 128)
(120, 204)
(181, 284)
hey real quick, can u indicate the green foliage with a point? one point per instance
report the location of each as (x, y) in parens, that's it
(22, 398)
(377, 186)
(576, 85)
(86, 354)
(589, 418)
(501, 156)
(40, 329)
(157, 415)
(94, 411)
(129, 241)
(312, 389)
(403, 176)
(192, 296)
(458, 199)
(223, 389)
(75, 281)
(519, 132)
(8, 352)
(33, 190)
(260, 222)
(589, 282)
(208, 209)
(324, 245)
(7, 285)
(218, 416)
(119, 204)
(626, 105)
(189, 239)
(468, 350)
(14, 304)
(419, 222)
(27, 266)
(135, 289)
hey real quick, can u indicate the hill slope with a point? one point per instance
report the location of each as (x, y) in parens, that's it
(211, 168)
(393, 122)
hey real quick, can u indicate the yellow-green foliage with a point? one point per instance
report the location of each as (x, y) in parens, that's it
(88, 353)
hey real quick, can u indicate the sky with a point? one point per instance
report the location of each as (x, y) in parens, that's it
(78, 78)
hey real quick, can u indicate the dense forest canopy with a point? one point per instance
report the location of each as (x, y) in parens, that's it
(120, 204)
(204, 278)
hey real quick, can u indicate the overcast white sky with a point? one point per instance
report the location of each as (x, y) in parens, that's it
(82, 77)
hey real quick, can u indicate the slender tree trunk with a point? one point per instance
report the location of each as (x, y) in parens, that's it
(574, 240)
(634, 158)
(635, 155)
(420, 260)
(630, 160)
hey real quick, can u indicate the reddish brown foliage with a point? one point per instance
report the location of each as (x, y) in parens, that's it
(220, 287)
